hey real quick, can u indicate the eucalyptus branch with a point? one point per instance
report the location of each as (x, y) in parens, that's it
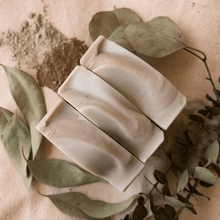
(204, 60)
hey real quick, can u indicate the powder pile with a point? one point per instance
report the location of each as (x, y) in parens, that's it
(40, 46)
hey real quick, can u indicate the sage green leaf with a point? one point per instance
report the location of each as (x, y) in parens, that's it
(60, 173)
(30, 100)
(126, 16)
(156, 38)
(103, 23)
(117, 37)
(5, 115)
(205, 175)
(183, 180)
(212, 152)
(67, 203)
(101, 209)
(16, 136)
(173, 202)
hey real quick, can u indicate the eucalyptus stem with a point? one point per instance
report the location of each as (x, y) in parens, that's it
(204, 60)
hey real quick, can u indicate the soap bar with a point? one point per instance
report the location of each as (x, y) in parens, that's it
(111, 112)
(88, 146)
(136, 80)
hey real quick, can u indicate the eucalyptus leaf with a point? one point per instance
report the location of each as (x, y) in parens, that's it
(173, 202)
(216, 167)
(103, 23)
(157, 38)
(16, 136)
(140, 212)
(196, 118)
(60, 173)
(214, 110)
(165, 190)
(149, 217)
(205, 113)
(126, 16)
(160, 177)
(183, 180)
(67, 203)
(185, 201)
(171, 212)
(194, 138)
(117, 37)
(101, 209)
(5, 115)
(204, 184)
(208, 97)
(212, 152)
(30, 100)
(205, 175)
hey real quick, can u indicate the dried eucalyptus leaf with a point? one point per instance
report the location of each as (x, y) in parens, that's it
(192, 210)
(166, 190)
(173, 202)
(67, 203)
(103, 23)
(208, 97)
(140, 212)
(196, 118)
(5, 115)
(157, 38)
(171, 212)
(185, 201)
(101, 209)
(212, 152)
(183, 180)
(16, 136)
(204, 184)
(30, 100)
(60, 173)
(195, 191)
(205, 175)
(214, 110)
(126, 16)
(160, 177)
(216, 167)
(117, 37)
(194, 138)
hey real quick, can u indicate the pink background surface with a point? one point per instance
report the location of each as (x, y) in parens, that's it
(198, 21)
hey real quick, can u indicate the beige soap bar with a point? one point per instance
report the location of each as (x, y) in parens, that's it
(111, 112)
(136, 80)
(88, 146)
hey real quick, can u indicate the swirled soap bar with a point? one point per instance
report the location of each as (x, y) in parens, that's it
(111, 112)
(136, 80)
(88, 146)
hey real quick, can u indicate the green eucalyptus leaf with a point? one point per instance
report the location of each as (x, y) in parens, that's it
(195, 191)
(60, 173)
(16, 136)
(157, 38)
(173, 202)
(5, 115)
(103, 23)
(67, 203)
(160, 177)
(183, 180)
(170, 211)
(205, 175)
(30, 100)
(212, 152)
(101, 209)
(117, 37)
(126, 16)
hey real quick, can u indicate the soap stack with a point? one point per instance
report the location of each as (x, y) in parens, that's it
(113, 111)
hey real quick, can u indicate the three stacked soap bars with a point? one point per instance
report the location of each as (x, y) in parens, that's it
(107, 122)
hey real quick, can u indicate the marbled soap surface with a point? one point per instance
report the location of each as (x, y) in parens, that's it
(199, 22)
